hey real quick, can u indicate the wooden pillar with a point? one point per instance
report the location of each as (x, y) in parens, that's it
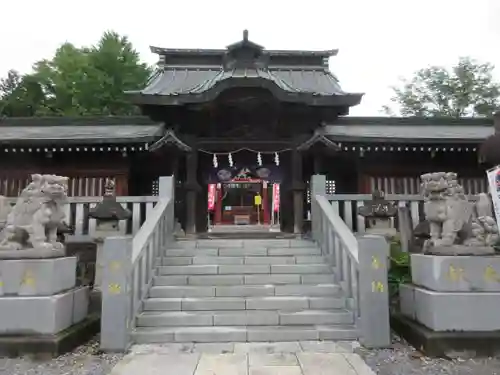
(192, 187)
(298, 192)
(218, 204)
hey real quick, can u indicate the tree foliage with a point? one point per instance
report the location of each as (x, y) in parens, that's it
(77, 81)
(467, 89)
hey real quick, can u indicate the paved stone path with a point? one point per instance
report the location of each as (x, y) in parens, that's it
(290, 358)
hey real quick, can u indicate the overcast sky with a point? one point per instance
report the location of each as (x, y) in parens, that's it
(379, 40)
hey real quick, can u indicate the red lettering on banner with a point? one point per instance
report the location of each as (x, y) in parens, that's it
(276, 197)
(211, 197)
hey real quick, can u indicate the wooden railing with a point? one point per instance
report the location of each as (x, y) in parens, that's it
(359, 265)
(78, 209)
(129, 268)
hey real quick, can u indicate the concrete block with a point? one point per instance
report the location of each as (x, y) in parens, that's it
(275, 359)
(270, 260)
(266, 243)
(37, 277)
(282, 333)
(210, 334)
(254, 251)
(176, 318)
(310, 259)
(216, 280)
(170, 280)
(42, 314)
(315, 317)
(153, 335)
(191, 252)
(244, 269)
(267, 347)
(307, 290)
(302, 243)
(277, 303)
(284, 251)
(317, 279)
(217, 260)
(244, 291)
(327, 302)
(246, 318)
(188, 270)
(456, 273)
(452, 311)
(219, 243)
(177, 261)
(163, 304)
(301, 268)
(181, 291)
(216, 303)
(337, 333)
(271, 279)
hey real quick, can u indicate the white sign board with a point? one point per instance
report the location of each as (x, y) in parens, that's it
(494, 185)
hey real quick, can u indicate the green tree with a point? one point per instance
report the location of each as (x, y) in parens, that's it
(78, 81)
(467, 89)
(20, 95)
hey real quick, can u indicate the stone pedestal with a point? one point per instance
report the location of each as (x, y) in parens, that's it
(451, 311)
(39, 302)
(452, 304)
(37, 277)
(456, 273)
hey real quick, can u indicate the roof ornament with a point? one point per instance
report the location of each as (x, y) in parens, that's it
(245, 35)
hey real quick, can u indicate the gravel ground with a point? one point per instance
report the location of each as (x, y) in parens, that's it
(403, 359)
(85, 360)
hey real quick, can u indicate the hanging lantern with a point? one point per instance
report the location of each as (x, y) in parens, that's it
(216, 163)
(259, 159)
(230, 159)
(276, 159)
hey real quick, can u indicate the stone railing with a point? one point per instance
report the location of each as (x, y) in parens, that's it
(346, 206)
(78, 209)
(129, 268)
(359, 265)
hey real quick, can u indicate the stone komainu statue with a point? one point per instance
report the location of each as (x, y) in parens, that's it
(452, 218)
(36, 216)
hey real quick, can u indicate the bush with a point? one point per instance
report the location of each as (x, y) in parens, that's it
(399, 270)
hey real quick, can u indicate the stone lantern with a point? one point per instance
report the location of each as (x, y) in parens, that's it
(379, 214)
(107, 214)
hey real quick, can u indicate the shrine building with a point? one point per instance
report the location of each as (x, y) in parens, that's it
(236, 123)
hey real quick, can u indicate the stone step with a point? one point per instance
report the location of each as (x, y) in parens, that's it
(245, 269)
(182, 291)
(243, 252)
(243, 303)
(238, 260)
(240, 243)
(151, 335)
(243, 318)
(231, 280)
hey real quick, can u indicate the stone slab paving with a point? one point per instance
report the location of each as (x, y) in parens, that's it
(287, 358)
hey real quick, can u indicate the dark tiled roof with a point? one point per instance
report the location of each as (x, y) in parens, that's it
(410, 131)
(80, 130)
(190, 76)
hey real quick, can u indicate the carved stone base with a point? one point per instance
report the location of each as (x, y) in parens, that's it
(451, 311)
(32, 254)
(43, 315)
(456, 274)
(37, 277)
(460, 250)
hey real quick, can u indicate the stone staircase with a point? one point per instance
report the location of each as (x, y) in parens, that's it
(244, 290)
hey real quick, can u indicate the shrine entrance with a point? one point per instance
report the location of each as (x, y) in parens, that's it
(244, 200)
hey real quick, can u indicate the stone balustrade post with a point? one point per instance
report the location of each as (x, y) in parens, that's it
(116, 296)
(317, 187)
(375, 330)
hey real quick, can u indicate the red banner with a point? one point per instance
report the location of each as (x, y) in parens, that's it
(211, 197)
(276, 197)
